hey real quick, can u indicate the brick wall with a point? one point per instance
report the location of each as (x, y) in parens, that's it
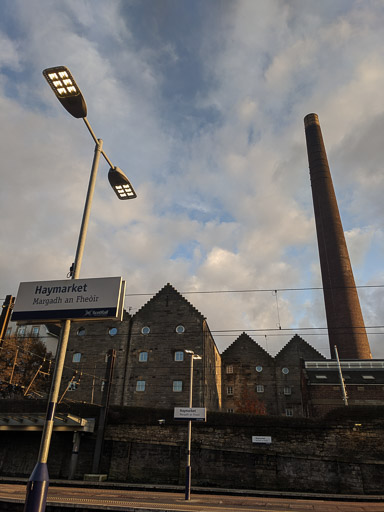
(324, 398)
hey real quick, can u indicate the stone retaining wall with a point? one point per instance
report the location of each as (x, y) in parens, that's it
(303, 456)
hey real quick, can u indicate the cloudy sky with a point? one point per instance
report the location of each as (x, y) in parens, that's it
(201, 103)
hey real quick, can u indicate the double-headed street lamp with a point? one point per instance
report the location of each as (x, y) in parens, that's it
(188, 468)
(67, 91)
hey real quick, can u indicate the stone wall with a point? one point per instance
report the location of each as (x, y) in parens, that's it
(339, 458)
(342, 456)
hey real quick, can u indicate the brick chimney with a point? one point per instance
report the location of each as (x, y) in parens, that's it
(345, 321)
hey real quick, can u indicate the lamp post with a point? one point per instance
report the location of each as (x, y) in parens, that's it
(188, 468)
(66, 90)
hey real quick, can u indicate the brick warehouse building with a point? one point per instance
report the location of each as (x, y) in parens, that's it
(277, 382)
(151, 368)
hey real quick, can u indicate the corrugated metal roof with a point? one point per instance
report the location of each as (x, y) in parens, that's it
(35, 421)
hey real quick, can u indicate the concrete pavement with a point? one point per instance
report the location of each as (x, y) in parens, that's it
(89, 496)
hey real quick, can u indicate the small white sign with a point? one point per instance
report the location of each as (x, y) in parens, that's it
(85, 299)
(262, 439)
(190, 413)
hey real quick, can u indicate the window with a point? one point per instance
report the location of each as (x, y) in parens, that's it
(102, 387)
(112, 331)
(229, 390)
(76, 357)
(285, 371)
(289, 412)
(21, 331)
(229, 410)
(143, 357)
(145, 330)
(35, 331)
(8, 333)
(324, 377)
(180, 329)
(177, 386)
(287, 390)
(259, 368)
(140, 385)
(260, 388)
(72, 385)
(229, 368)
(368, 377)
(81, 331)
(179, 355)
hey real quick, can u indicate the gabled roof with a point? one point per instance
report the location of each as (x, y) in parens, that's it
(244, 348)
(299, 346)
(35, 421)
(53, 329)
(169, 290)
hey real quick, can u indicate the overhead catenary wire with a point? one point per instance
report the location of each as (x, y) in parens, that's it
(251, 290)
(246, 330)
(254, 290)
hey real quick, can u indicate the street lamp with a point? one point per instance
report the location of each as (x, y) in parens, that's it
(67, 91)
(188, 468)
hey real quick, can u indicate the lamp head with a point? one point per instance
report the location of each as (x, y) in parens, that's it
(121, 184)
(66, 90)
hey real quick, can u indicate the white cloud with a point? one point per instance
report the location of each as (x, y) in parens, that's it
(9, 55)
(224, 200)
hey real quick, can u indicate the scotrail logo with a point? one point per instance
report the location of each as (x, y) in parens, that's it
(96, 312)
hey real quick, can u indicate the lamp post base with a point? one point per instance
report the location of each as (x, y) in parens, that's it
(188, 483)
(37, 489)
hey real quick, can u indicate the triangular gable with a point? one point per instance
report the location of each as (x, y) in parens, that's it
(168, 291)
(245, 348)
(298, 345)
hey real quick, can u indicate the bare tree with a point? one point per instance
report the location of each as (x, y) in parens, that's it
(25, 368)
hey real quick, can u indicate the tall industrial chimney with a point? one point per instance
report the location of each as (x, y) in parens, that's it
(345, 321)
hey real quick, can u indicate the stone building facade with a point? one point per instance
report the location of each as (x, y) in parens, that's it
(158, 368)
(152, 369)
(276, 382)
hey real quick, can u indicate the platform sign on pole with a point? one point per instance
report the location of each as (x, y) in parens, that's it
(75, 299)
(190, 413)
(262, 439)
